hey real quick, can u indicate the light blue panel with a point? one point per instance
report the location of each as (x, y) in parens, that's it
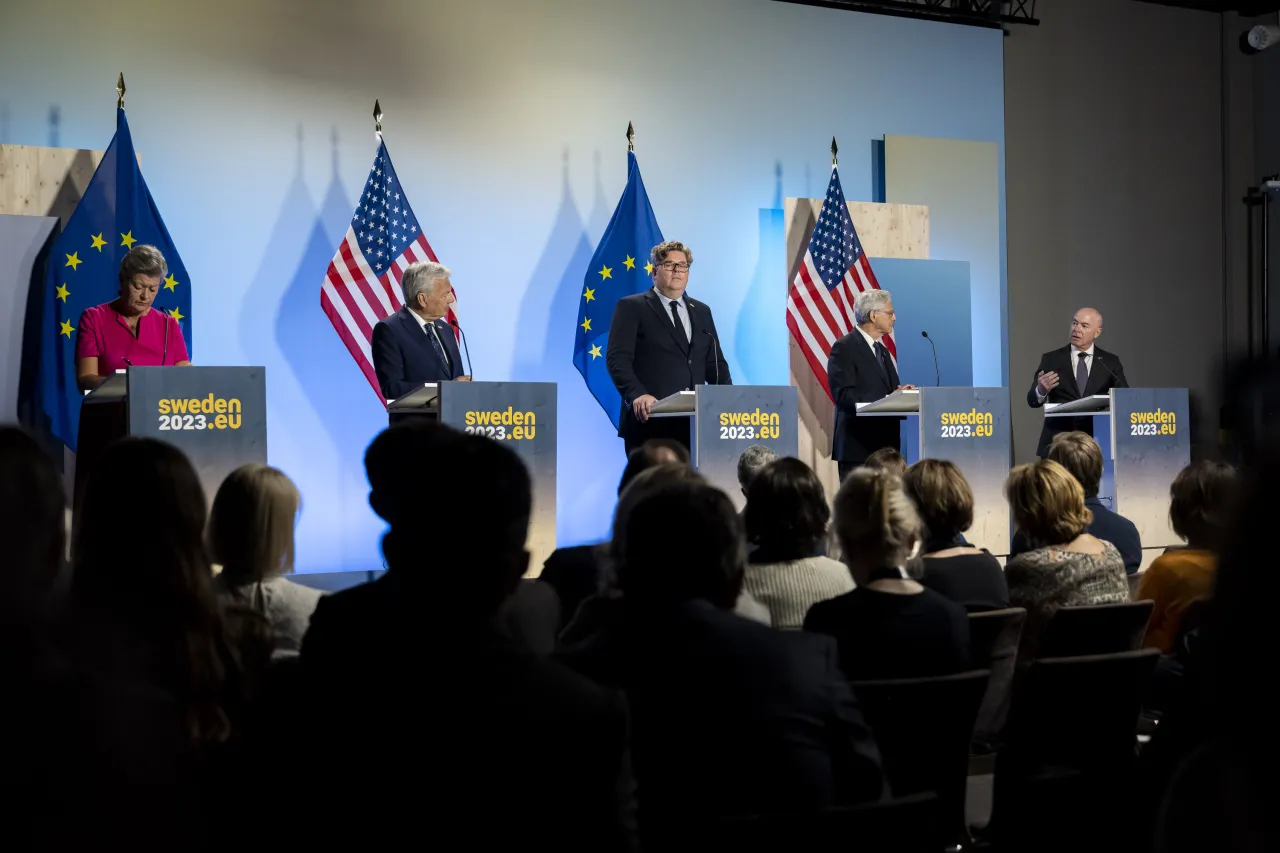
(931, 296)
(505, 121)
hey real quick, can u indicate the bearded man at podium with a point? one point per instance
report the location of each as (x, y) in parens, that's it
(1078, 370)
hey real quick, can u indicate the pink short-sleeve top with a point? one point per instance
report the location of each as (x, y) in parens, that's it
(103, 334)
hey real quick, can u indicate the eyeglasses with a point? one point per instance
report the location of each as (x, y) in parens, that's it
(672, 266)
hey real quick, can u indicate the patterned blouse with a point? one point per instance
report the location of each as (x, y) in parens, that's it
(1045, 579)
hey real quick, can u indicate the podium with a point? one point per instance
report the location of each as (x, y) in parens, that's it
(217, 416)
(520, 414)
(1145, 442)
(969, 427)
(726, 419)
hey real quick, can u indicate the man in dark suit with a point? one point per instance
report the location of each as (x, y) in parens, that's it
(415, 345)
(861, 370)
(1082, 457)
(731, 717)
(410, 678)
(1077, 370)
(661, 342)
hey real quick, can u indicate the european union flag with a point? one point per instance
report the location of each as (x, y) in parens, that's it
(115, 212)
(613, 274)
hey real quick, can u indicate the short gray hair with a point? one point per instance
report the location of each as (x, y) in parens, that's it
(142, 260)
(868, 301)
(752, 460)
(420, 276)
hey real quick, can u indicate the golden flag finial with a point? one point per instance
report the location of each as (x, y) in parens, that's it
(120, 91)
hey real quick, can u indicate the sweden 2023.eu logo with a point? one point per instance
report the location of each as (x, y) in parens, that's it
(209, 412)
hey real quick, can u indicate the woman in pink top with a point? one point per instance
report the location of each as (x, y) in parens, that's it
(126, 332)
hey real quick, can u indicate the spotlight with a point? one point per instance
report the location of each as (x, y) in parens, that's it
(1262, 37)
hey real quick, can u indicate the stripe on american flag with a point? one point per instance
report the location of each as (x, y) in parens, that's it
(362, 284)
(834, 271)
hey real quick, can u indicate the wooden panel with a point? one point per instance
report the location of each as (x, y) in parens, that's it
(36, 181)
(886, 231)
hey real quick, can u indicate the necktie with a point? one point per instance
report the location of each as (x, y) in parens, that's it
(436, 345)
(882, 356)
(675, 318)
(1082, 373)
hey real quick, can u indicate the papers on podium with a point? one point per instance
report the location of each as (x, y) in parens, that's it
(902, 401)
(1098, 404)
(426, 397)
(112, 390)
(677, 405)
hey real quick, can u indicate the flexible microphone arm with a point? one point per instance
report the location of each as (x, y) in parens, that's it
(453, 322)
(937, 376)
(715, 351)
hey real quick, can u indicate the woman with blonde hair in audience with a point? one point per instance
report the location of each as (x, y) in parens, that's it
(1067, 567)
(786, 519)
(948, 564)
(889, 626)
(1199, 511)
(251, 535)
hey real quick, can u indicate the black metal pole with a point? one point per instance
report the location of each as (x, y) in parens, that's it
(1248, 274)
(1266, 277)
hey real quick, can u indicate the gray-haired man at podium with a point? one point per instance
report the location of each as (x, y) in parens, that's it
(860, 370)
(661, 342)
(1080, 369)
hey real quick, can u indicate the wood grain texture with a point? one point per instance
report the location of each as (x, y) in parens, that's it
(37, 181)
(886, 231)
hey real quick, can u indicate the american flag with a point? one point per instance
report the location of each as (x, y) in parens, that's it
(362, 284)
(835, 270)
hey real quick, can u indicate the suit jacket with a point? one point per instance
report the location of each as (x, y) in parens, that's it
(855, 376)
(1106, 525)
(645, 355)
(403, 357)
(732, 717)
(522, 747)
(1107, 373)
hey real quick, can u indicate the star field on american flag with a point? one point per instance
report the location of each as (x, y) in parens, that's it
(383, 222)
(362, 284)
(834, 271)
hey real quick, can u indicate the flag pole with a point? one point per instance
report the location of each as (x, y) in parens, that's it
(377, 119)
(631, 138)
(120, 91)
(834, 149)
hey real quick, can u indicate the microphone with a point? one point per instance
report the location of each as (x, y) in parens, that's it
(715, 350)
(1097, 359)
(127, 361)
(453, 321)
(936, 375)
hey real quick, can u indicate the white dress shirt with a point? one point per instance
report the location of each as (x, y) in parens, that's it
(1075, 359)
(683, 311)
(871, 342)
(429, 328)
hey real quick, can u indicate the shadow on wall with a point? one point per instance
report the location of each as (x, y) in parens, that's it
(588, 464)
(321, 411)
(760, 340)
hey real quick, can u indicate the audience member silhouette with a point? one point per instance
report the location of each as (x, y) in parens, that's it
(32, 526)
(1067, 565)
(580, 571)
(948, 564)
(169, 671)
(1201, 501)
(730, 717)
(889, 626)
(251, 536)
(415, 691)
(887, 459)
(1082, 457)
(786, 519)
